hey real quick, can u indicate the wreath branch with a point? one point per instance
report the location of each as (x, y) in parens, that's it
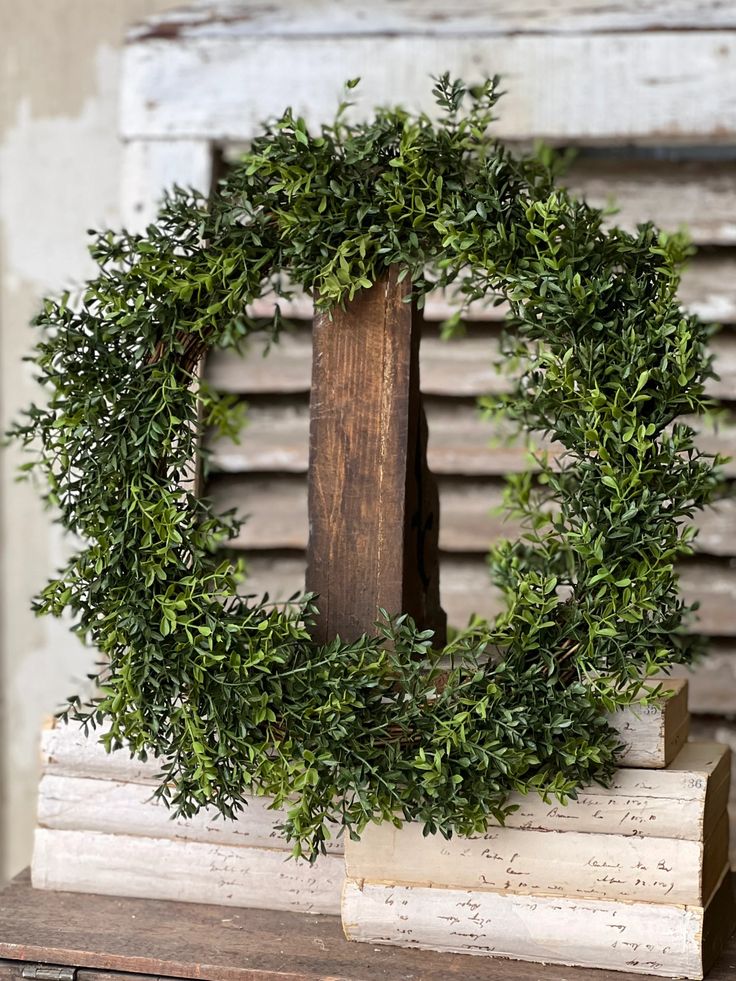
(230, 692)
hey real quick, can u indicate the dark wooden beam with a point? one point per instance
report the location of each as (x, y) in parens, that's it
(373, 504)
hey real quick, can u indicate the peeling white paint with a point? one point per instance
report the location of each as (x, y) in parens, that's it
(71, 163)
(59, 175)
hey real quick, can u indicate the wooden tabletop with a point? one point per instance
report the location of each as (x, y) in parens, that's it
(160, 939)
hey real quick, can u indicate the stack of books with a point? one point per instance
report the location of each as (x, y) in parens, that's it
(101, 831)
(633, 877)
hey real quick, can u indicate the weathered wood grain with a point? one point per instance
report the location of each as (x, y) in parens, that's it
(151, 167)
(713, 680)
(697, 195)
(461, 368)
(278, 509)
(707, 289)
(175, 940)
(647, 938)
(460, 442)
(465, 588)
(433, 16)
(471, 519)
(373, 504)
(670, 86)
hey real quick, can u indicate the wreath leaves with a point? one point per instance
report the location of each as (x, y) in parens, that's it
(229, 691)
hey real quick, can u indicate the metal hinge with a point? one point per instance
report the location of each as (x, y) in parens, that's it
(40, 972)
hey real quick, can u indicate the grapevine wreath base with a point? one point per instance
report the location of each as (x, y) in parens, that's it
(228, 690)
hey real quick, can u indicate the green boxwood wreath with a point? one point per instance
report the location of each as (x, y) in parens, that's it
(228, 689)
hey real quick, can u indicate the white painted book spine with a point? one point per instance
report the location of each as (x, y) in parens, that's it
(544, 863)
(643, 938)
(653, 735)
(682, 801)
(187, 871)
(115, 807)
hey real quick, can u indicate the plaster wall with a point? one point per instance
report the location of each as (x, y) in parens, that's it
(59, 175)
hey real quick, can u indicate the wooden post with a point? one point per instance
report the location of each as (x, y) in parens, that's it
(373, 504)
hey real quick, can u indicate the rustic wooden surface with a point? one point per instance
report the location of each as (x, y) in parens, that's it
(470, 510)
(456, 369)
(706, 290)
(12, 971)
(434, 16)
(461, 442)
(369, 486)
(466, 587)
(170, 940)
(242, 75)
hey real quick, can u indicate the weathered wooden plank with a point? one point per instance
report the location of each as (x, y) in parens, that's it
(699, 195)
(276, 440)
(373, 505)
(286, 370)
(151, 167)
(277, 506)
(714, 586)
(465, 588)
(723, 346)
(423, 17)
(712, 681)
(707, 289)
(647, 938)
(670, 86)
(460, 442)
(461, 367)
